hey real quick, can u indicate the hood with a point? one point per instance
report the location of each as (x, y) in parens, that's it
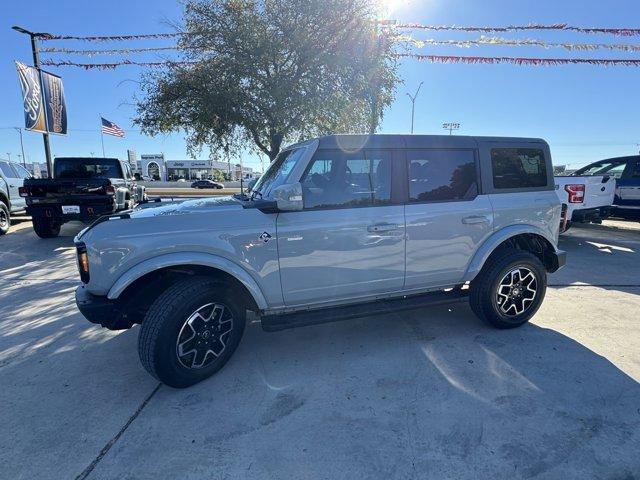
(200, 205)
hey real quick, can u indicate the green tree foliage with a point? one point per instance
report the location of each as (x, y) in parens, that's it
(218, 176)
(263, 73)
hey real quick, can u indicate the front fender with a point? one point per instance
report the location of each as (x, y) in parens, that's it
(189, 258)
(490, 244)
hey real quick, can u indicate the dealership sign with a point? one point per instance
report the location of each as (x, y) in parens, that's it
(43, 100)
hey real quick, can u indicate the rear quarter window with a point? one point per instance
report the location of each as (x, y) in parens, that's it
(518, 168)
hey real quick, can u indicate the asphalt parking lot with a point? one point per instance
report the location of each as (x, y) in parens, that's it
(432, 393)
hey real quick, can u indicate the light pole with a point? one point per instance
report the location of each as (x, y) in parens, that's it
(413, 103)
(24, 161)
(36, 63)
(451, 127)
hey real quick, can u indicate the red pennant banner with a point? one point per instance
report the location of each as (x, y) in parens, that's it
(535, 62)
(622, 32)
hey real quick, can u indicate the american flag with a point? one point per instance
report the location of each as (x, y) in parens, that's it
(110, 128)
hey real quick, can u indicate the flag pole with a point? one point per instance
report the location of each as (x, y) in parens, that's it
(102, 137)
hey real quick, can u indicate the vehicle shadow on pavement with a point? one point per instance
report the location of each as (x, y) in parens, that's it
(431, 393)
(427, 394)
(601, 257)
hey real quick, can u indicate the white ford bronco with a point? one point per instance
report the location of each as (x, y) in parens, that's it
(337, 227)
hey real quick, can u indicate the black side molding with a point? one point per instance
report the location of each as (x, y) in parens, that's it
(274, 323)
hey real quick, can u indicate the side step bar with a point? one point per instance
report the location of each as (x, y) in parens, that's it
(284, 321)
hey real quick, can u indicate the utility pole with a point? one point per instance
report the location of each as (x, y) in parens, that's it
(24, 161)
(413, 103)
(36, 63)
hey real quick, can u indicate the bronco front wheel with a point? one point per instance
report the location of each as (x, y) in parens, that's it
(191, 331)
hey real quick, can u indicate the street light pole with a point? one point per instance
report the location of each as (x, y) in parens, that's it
(24, 161)
(413, 103)
(36, 63)
(451, 127)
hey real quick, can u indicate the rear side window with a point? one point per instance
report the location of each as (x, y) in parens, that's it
(518, 168)
(441, 175)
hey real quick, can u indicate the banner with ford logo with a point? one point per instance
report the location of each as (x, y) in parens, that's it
(44, 104)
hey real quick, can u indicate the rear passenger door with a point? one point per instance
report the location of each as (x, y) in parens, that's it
(446, 217)
(518, 178)
(348, 242)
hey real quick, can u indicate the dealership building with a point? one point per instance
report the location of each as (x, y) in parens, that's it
(158, 168)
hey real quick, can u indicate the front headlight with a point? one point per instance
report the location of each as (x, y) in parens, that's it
(83, 262)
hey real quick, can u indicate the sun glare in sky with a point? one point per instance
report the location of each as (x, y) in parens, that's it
(388, 8)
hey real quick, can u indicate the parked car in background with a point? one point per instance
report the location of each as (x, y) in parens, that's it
(337, 227)
(626, 173)
(82, 189)
(207, 184)
(585, 198)
(12, 177)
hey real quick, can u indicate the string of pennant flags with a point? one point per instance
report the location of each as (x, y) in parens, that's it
(397, 30)
(622, 32)
(625, 47)
(474, 60)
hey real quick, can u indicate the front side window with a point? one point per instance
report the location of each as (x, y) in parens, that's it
(634, 170)
(22, 172)
(441, 175)
(336, 179)
(278, 172)
(518, 168)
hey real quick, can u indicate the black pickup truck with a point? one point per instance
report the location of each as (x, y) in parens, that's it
(82, 189)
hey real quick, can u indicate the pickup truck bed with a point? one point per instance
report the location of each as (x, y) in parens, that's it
(63, 200)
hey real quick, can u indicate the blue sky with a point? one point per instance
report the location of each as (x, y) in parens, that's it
(585, 112)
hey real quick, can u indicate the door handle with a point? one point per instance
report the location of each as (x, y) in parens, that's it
(382, 227)
(475, 220)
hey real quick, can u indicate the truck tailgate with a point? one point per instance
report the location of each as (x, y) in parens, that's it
(599, 190)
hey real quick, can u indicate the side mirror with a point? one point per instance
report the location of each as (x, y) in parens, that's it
(252, 184)
(288, 197)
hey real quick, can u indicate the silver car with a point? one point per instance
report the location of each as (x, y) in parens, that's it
(337, 227)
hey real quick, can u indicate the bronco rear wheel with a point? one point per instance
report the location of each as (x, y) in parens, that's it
(509, 289)
(191, 331)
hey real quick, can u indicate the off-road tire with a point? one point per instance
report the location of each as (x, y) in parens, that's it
(166, 317)
(46, 228)
(483, 291)
(5, 218)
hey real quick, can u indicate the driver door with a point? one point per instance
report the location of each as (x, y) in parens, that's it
(348, 242)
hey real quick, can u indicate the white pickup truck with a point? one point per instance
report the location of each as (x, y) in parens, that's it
(585, 199)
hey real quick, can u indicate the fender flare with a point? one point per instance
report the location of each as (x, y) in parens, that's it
(491, 243)
(189, 258)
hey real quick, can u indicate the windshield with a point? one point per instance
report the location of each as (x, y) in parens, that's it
(278, 171)
(87, 168)
(600, 168)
